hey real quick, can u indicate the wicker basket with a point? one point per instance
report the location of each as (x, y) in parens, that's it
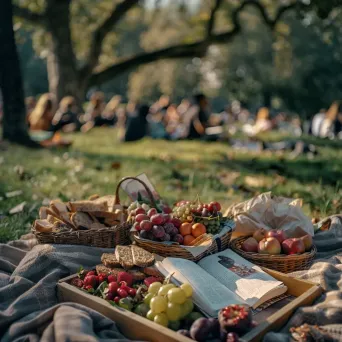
(175, 250)
(103, 237)
(282, 263)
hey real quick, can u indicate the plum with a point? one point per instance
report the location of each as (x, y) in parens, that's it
(200, 329)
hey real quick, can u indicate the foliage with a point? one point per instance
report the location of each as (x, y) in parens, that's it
(179, 170)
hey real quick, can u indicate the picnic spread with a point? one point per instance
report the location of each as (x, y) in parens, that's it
(151, 272)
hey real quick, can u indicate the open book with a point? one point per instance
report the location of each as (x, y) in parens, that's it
(222, 279)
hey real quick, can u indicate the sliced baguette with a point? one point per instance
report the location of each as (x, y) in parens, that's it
(81, 220)
(43, 226)
(124, 256)
(110, 260)
(88, 206)
(141, 258)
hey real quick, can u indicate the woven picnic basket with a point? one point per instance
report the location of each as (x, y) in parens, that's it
(175, 250)
(281, 263)
(104, 237)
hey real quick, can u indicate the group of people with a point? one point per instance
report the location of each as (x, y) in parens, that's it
(189, 119)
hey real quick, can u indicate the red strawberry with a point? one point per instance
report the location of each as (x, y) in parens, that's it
(111, 278)
(91, 273)
(102, 277)
(91, 280)
(126, 277)
(150, 280)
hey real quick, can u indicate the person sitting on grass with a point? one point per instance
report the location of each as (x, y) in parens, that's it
(327, 129)
(93, 114)
(198, 117)
(109, 114)
(136, 127)
(42, 129)
(66, 117)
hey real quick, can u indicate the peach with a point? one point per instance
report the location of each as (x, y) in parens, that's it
(269, 245)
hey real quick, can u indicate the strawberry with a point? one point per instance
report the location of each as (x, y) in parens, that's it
(150, 280)
(126, 277)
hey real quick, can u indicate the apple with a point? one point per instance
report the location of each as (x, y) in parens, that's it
(145, 225)
(293, 246)
(278, 234)
(307, 239)
(152, 211)
(141, 217)
(158, 219)
(269, 245)
(260, 234)
(250, 245)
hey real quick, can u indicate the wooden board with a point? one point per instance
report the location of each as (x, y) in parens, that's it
(136, 327)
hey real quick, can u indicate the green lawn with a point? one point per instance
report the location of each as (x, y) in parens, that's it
(179, 170)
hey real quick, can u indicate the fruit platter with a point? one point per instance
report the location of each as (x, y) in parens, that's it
(128, 280)
(190, 230)
(276, 250)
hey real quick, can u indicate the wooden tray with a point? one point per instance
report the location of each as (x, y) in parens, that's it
(305, 293)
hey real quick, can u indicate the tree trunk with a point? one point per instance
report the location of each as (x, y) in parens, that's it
(14, 120)
(62, 70)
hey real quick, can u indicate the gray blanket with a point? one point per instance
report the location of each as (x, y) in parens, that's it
(29, 310)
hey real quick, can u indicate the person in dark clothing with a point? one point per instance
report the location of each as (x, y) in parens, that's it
(66, 117)
(200, 118)
(136, 127)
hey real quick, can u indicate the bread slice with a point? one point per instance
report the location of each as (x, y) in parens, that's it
(152, 271)
(88, 206)
(124, 256)
(81, 220)
(43, 226)
(141, 257)
(110, 260)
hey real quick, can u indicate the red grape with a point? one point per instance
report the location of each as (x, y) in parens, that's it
(146, 225)
(113, 287)
(139, 211)
(141, 217)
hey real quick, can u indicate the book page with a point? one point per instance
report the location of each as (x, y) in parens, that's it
(208, 293)
(243, 278)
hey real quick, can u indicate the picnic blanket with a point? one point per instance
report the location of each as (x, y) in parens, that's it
(29, 309)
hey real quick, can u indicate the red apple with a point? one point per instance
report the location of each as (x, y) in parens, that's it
(157, 219)
(293, 246)
(307, 239)
(176, 222)
(146, 225)
(269, 245)
(278, 234)
(250, 245)
(141, 217)
(260, 234)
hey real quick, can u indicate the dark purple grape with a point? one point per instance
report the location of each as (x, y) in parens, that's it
(174, 231)
(215, 327)
(169, 227)
(144, 234)
(166, 237)
(205, 212)
(158, 231)
(200, 329)
(178, 238)
(184, 332)
(232, 337)
(151, 236)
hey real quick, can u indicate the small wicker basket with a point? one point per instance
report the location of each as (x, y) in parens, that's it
(281, 263)
(103, 237)
(175, 250)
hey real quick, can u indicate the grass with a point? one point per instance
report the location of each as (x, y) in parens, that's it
(179, 170)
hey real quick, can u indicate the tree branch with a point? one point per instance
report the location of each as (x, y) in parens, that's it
(28, 15)
(196, 49)
(100, 33)
(211, 21)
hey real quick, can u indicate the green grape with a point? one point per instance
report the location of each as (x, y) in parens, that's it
(186, 287)
(164, 289)
(176, 295)
(150, 315)
(187, 307)
(154, 287)
(161, 319)
(174, 325)
(148, 298)
(158, 304)
(173, 311)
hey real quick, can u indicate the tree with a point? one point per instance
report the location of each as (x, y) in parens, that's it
(14, 120)
(71, 75)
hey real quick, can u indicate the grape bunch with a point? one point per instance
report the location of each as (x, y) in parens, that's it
(184, 210)
(213, 225)
(169, 304)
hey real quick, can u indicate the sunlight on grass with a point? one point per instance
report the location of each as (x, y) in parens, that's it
(179, 170)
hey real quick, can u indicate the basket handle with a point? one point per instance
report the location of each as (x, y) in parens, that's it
(117, 197)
